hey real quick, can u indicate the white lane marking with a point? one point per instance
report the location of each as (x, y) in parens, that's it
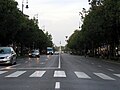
(16, 74)
(59, 74)
(59, 64)
(57, 85)
(15, 65)
(38, 74)
(48, 68)
(10, 67)
(118, 75)
(103, 76)
(110, 69)
(1, 72)
(82, 75)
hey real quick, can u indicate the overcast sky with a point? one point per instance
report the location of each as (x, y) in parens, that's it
(59, 17)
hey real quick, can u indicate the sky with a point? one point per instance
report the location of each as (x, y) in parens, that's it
(59, 17)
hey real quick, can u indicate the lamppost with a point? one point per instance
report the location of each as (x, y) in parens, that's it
(60, 47)
(23, 5)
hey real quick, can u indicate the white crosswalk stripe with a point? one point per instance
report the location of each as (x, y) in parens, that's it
(16, 74)
(118, 75)
(38, 74)
(1, 72)
(59, 74)
(103, 76)
(82, 75)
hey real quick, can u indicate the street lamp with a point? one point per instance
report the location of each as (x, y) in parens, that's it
(23, 5)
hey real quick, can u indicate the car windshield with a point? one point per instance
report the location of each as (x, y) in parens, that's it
(35, 51)
(50, 49)
(5, 51)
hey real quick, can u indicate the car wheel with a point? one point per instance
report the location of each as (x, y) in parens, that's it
(38, 56)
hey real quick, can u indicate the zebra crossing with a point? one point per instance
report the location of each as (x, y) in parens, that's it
(38, 74)
(16, 74)
(82, 75)
(59, 74)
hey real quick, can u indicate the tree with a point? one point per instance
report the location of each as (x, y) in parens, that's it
(20, 31)
(49, 39)
(9, 21)
(100, 28)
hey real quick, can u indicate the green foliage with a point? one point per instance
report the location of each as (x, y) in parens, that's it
(49, 39)
(8, 20)
(100, 27)
(17, 29)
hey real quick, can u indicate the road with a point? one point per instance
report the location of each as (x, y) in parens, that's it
(60, 72)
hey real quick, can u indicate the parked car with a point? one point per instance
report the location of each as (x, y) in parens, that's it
(34, 53)
(7, 55)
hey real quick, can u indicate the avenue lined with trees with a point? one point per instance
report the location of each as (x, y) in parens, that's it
(100, 31)
(18, 30)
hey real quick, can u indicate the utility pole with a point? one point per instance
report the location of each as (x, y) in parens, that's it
(60, 47)
(23, 5)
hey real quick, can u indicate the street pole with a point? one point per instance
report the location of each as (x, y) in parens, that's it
(60, 46)
(79, 20)
(23, 5)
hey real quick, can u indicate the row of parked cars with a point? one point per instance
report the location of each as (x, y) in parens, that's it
(8, 55)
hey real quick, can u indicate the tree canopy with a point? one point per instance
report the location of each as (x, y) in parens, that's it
(16, 28)
(101, 27)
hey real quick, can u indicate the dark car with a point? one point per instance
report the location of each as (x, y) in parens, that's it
(7, 55)
(34, 53)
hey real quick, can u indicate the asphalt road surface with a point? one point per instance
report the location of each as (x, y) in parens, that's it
(60, 72)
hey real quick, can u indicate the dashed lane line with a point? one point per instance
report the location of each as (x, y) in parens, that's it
(59, 63)
(59, 74)
(57, 85)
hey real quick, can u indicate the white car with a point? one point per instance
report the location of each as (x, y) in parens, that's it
(7, 55)
(34, 53)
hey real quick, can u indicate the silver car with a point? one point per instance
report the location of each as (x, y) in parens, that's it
(7, 55)
(34, 53)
